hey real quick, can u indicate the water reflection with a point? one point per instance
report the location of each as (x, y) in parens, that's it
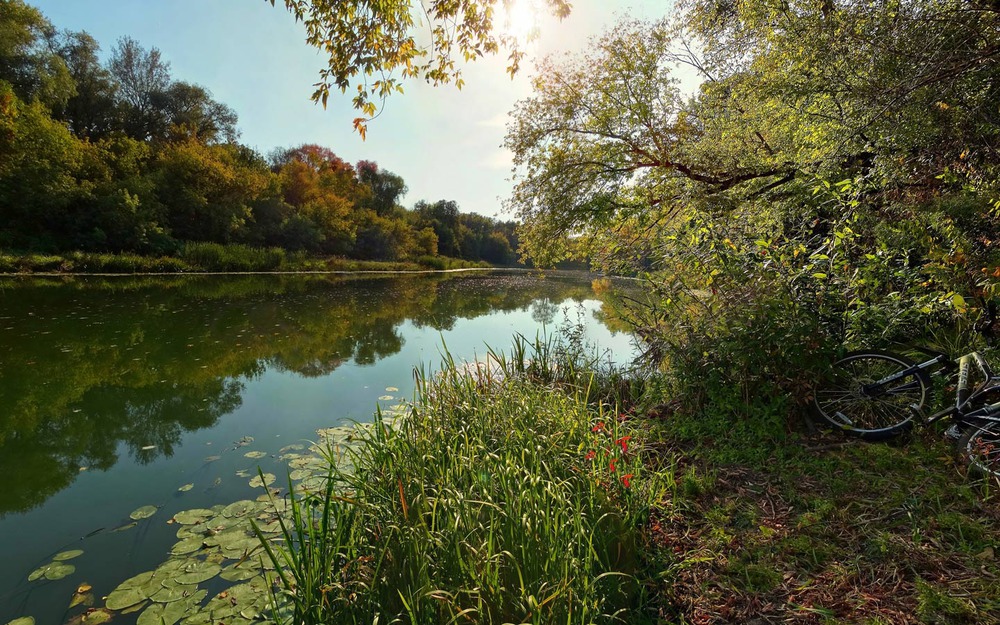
(91, 368)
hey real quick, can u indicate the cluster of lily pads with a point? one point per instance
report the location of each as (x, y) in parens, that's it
(215, 544)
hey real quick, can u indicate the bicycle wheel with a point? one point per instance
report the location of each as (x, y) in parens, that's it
(863, 399)
(980, 448)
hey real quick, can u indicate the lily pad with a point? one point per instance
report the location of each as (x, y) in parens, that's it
(23, 620)
(175, 593)
(127, 526)
(191, 517)
(239, 508)
(96, 617)
(255, 454)
(38, 573)
(170, 613)
(212, 458)
(239, 573)
(260, 481)
(67, 555)
(188, 545)
(143, 513)
(197, 572)
(58, 570)
(130, 592)
(185, 488)
(391, 389)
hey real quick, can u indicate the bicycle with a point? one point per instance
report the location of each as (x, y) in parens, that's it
(877, 395)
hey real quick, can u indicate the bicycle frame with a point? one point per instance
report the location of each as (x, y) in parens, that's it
(965, 394)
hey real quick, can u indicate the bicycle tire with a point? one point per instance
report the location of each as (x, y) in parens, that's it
(980, 449)
(850, 400)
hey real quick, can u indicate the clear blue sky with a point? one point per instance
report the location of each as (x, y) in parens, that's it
(445, 143)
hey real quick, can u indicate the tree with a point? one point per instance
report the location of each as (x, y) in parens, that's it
(140, 74)
(28, 58)
(374, 43)
(40, 162)
(207, 190)
(323, 189)
(386, 187)
(832, 180)
(91, 111)
(185, 111)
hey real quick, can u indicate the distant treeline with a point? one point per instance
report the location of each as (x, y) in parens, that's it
(121, 157)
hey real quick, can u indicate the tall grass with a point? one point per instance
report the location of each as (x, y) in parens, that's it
(232, 257)
(499, 498)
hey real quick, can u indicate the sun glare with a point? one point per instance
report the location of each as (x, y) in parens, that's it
(520, 20)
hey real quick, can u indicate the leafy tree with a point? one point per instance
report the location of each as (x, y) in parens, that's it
(832, 179)
(185, 111)
(28, 58)
(39, 166)
(324, 189)
(373, 43)
(442, 217)
(91, 112)
(386, 187)
(206, 191)
(140, 74)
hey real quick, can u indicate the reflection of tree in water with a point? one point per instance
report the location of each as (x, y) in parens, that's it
(544, 311)
(86, 367)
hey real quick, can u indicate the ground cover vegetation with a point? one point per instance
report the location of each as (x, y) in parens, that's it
(121, 157)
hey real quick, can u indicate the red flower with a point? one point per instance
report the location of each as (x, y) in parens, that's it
(623, 443)
(627, 480)
(611, 465)
(590, 455)
(599, 427)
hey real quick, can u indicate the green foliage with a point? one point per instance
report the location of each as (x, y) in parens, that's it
(372, 43)
(496, 499)
(233, 257)
(831, 182)
(121, 157)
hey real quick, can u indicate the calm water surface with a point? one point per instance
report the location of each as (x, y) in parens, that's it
(114, 393)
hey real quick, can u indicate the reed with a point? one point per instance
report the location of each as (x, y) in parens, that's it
(502, 497)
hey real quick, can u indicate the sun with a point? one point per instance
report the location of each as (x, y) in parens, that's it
(519, 19)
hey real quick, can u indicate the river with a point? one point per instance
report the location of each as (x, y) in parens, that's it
(123, 392)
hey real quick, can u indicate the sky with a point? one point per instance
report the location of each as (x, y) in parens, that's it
(445, 143)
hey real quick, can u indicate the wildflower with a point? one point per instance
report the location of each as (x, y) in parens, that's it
(611, 465)
(590, 455)
(627, 480)
(623, 443)
(599, 427)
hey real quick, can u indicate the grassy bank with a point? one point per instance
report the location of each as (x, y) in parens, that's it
(213, 257)
(505, 496)
(541, 491)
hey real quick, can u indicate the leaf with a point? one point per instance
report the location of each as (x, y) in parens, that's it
(260, 481)
(67, 555)
(82, 598)
(143, 513)
(185, 488)
(130, 592)
(23, 620)
(58, 571)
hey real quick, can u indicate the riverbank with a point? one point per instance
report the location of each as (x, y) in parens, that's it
(214, 258)
(688, 528)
